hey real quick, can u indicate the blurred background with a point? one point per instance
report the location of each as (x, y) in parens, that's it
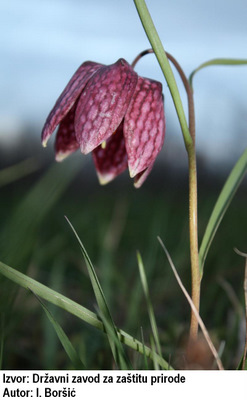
(42, 43)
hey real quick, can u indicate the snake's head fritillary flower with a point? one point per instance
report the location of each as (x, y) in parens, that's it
(113, 113)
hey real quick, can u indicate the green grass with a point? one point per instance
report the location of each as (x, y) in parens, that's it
(113, 222)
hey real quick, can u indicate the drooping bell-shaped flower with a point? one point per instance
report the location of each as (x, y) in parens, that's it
(113, 113)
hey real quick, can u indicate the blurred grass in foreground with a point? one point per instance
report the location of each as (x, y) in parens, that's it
(114, 222)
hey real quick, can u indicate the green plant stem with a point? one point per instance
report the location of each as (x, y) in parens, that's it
(193, 207)
(189, 140)
(193, 227)
(217, 61)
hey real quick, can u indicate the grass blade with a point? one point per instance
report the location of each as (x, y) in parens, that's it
(149, 304)
(217, 61)
(231, 185)
(101, 301)
(144, 352)
(1, 341)
(117, 349)
(18, 171)
(155, 362)
(66, 343)
(50, 295)
(75, 309)
(245, 296)
(116, 346)
(244, 359)
(200, 321)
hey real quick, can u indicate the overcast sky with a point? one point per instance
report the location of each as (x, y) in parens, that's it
(42, 42)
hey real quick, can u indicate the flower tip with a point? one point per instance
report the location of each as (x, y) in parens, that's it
(137, 184)
(44, 140)
(102, 182)
(104, 178)
(61, 156)
(132, 172)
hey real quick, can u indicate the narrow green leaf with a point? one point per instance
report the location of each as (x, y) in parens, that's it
(74, 308)
(1, 341)
(149, 303)
(66, 343)
(111, 330)
(101, 301)
(244, 357)
(119, 355)
(144, 352)
(50, 295)
(155, 361)
(217, 61)
(242, 365)
(230, 187)
(18, 171)
(195, 311)
(56, 281)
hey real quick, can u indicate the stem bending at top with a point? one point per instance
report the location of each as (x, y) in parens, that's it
(219, 62)
(191, 112)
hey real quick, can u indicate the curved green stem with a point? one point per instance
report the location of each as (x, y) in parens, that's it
(186, 84)
(217, 61)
